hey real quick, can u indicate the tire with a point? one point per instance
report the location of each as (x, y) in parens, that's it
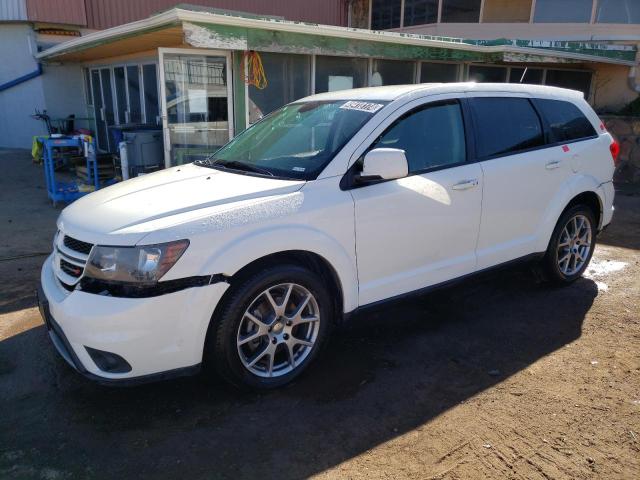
(568, 255)
(281, 340)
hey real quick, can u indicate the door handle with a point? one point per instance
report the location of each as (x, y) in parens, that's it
(552, 165)
(466, 184)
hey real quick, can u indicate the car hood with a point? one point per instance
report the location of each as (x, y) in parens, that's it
(113, 213)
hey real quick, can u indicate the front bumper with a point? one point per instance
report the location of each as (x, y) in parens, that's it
(159, 336)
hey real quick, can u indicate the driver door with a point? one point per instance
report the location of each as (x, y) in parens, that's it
(420, 230)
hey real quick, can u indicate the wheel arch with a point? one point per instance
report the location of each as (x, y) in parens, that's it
(585, 193)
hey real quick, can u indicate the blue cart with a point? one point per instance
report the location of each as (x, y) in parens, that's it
(60, 191)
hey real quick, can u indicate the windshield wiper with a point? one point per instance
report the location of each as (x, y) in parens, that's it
(241, 166)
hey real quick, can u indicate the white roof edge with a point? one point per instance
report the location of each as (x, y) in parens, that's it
(178, 15)
(394, 92)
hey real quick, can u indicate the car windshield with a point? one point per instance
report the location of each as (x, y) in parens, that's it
(296, 141)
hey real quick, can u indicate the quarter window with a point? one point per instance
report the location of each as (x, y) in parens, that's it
(566, 122)
(505, 126)
(430, 137)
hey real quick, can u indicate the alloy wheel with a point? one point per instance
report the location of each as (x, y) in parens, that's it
(278, 330)
(574, 245)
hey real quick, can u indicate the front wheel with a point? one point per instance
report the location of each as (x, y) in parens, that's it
(571, 246)
(270, 328)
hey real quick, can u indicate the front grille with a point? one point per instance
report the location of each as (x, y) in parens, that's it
(70, 269)
(77, 245)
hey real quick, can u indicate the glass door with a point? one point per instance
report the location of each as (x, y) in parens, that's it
(103, 107)
(197, 112)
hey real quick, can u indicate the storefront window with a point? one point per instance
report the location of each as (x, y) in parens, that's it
(420, 12)
(340, 73)
(385, 14)
(567, 11)
(150, 84)
(531, 76)
(392, 72)
(575, 80)
(461, 11)
(485, 74)
(618, 11)
(506, 11)
(438, 72)
(288, 79)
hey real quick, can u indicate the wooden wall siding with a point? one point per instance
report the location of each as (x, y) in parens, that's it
(70, 12)
(103, 14)
(11, 10)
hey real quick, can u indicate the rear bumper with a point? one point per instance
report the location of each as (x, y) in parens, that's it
(159, 337)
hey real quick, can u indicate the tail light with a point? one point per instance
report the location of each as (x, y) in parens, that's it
(615, 151)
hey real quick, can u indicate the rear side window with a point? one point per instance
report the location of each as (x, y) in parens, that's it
(432, 136)
(505, 126)
(566, 122)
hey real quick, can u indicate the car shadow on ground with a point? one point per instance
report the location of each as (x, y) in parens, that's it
(382, 375)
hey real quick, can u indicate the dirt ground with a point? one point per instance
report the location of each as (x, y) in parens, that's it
(499, 377)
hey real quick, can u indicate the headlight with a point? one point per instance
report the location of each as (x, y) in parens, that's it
(144, 264)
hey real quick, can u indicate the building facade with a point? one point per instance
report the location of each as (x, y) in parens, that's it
(28, 27)
(182, 70)
(579, 25)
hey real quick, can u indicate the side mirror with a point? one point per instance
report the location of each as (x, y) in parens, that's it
(385, 164)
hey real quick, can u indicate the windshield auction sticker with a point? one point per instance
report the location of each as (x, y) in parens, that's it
(362, 106)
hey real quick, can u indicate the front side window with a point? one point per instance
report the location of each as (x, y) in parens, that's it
(505, 126)
(296, 141)
(431, 137)
(566, 122)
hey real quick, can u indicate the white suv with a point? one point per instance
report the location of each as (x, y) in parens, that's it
(243, 262)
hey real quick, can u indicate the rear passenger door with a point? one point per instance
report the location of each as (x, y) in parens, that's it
(522, 175)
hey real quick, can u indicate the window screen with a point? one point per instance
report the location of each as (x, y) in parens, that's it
(461, 11)
(289, 80)
(565, 11)
(438, 72)
(531, 76)
(575, 80)
(419, 12)
(482, 74)
(385, 14)
(618, 11)
(340, 73)
(566, 122)
(430, 137)
(392, 72)
(505, 125)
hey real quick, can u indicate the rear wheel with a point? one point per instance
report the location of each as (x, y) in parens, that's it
(571, 246)
(270, 328)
